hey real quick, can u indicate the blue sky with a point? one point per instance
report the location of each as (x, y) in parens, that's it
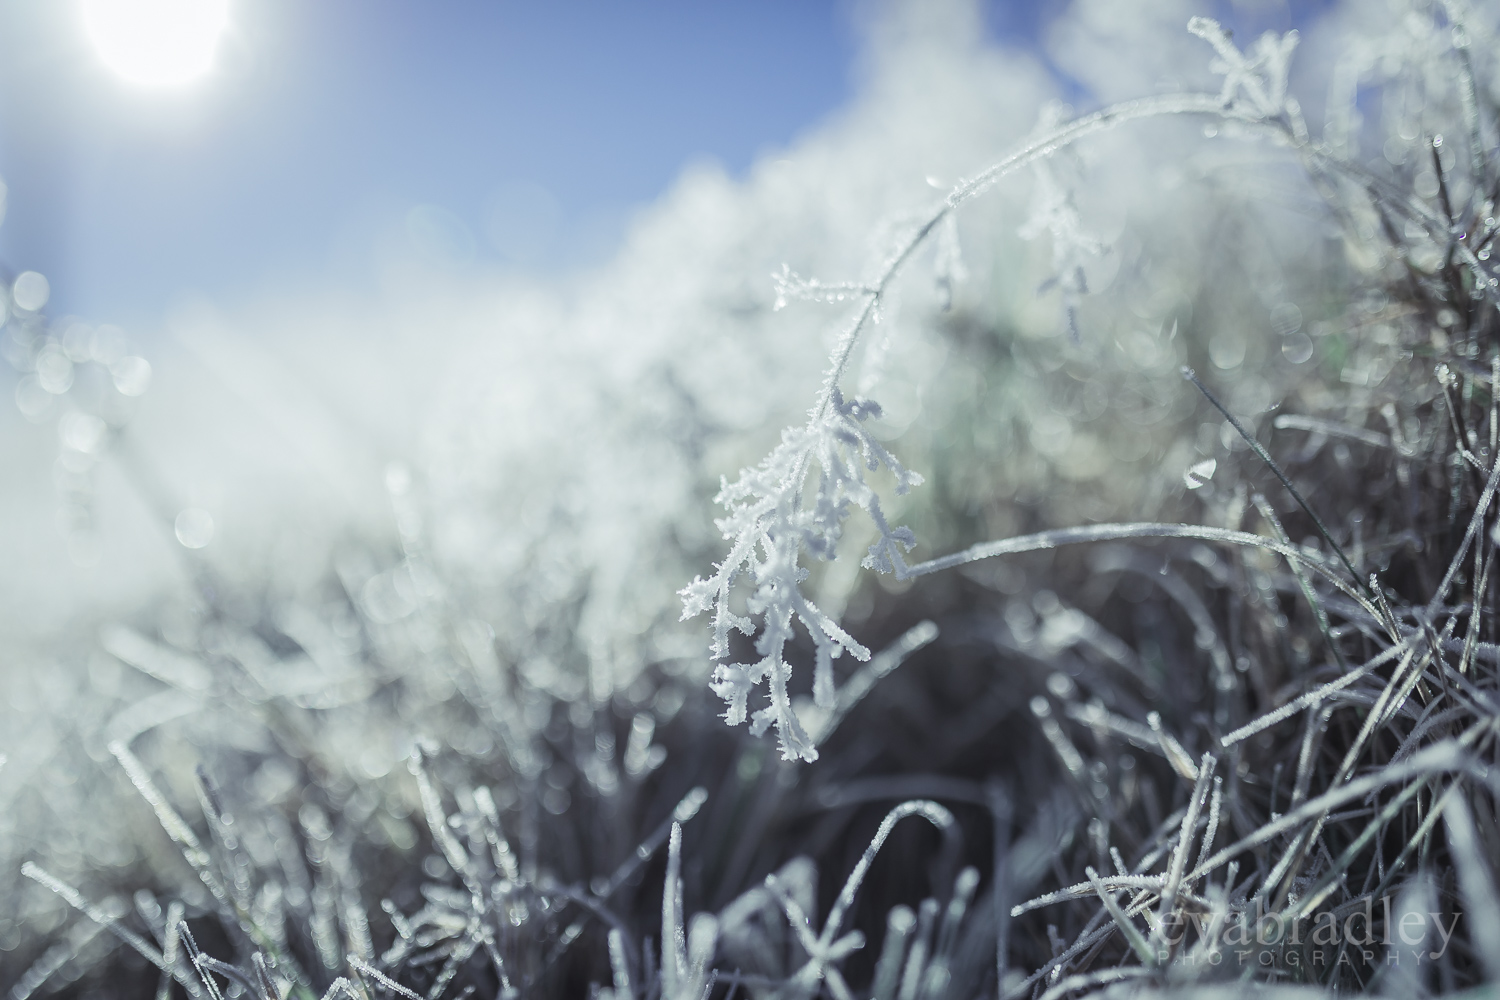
(487, 131)
(525, 130)
(499, 133)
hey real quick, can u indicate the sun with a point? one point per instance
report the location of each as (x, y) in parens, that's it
(156, 43)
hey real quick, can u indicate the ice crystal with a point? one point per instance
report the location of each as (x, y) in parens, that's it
(1054, 212)
(772, 517)
(1257, 79)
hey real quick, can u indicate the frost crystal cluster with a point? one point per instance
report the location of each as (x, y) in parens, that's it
(772, 520)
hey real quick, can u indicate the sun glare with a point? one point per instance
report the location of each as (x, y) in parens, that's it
(156, 43)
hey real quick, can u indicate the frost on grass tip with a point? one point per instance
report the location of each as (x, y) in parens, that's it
(1258, 79)
(772, 518)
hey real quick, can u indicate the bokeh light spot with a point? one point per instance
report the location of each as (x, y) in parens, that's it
(131, 375)
(53, 370)
(30, 291)
(82, 432)
(194, 527)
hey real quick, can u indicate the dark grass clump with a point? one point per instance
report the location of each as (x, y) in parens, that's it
(1247, 744)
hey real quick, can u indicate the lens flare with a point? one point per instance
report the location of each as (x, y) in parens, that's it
(156, 43)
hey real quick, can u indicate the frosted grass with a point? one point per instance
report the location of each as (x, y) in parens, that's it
(1138, 717)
